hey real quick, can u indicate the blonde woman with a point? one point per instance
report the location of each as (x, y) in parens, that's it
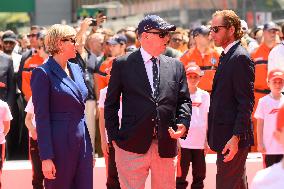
(59, 94)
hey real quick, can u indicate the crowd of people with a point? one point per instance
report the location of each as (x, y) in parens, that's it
(160, 97)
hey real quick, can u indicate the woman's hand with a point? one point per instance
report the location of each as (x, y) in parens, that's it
(48, 169)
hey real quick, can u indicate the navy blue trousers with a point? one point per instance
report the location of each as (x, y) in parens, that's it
(74, 168)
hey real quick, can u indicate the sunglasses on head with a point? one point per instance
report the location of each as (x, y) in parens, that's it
(161, 34)
(216, 29)
(32, 35)
(72, 40)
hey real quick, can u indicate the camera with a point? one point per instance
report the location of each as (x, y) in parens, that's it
(94, 22)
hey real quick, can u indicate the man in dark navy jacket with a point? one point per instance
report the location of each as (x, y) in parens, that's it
(229, 122)
(156, 109)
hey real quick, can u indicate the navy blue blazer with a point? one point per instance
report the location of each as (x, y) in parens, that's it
(232, 100)
(140, 111)
(59, 108)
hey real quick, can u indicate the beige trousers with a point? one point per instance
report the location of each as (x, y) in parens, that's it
(133, 169)
(90, 112)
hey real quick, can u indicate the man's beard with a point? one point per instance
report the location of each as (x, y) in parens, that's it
(6, 51)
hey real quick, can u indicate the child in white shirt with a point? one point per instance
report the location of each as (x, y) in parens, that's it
(37, 180)
(194, 147)
(107, 148)
(5, 118)
(272, 177)
(265, 114)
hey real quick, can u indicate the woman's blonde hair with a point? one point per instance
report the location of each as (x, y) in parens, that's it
(56, 33)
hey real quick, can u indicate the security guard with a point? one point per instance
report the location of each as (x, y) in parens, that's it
(203, 55)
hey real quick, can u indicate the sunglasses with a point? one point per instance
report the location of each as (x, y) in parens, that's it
(216, 29)
(32, 35)
(161, 34)
(176, 40)
(70, 39)
(9, 42)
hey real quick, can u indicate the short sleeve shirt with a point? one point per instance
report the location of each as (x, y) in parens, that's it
(5, 115)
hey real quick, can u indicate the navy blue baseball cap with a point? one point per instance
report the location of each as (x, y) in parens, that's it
(154, 22)
(270, 26)
(203, 30)
(117, 39)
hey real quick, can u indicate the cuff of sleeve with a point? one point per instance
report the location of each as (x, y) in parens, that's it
(184, 121)
(46, 156)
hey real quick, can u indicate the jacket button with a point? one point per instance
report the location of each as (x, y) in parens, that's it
(157, 104)
(153, 119)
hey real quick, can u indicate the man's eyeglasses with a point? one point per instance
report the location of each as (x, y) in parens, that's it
(161, 34)
(32, 35)
(9, 43)
(216, 29)
(177, 40)
(70, 39)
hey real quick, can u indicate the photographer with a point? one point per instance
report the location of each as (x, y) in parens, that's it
(87, 65)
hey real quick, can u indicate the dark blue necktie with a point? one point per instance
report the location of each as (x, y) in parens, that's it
(221, 58)
(155, 78)
(155, 92)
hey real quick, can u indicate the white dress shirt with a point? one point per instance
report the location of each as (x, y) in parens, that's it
(148, 66)
(229, 46)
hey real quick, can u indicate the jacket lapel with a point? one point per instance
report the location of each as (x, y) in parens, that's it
(78, 80)
(140, 70)
(58, 71)
(164, 69)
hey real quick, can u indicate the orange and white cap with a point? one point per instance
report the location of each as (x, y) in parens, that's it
(193, 68)
(273, 74)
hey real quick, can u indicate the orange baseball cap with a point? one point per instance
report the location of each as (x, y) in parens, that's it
(280, 118)
(193, 68)
(273, 74)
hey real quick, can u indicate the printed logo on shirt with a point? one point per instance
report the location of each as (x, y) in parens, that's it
(273, 111)
(213, 61)
(2, 85)
(196, 104)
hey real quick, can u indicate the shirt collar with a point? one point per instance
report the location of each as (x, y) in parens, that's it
(229, 46)
(145, 55)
